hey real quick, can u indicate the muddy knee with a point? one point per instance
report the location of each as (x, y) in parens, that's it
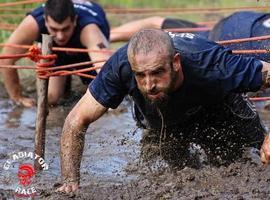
(53, 98)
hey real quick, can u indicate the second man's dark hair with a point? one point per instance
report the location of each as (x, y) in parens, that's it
(59, 10)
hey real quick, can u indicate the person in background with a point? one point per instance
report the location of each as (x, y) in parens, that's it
(242, 24)
(125, 31)
(76, 24)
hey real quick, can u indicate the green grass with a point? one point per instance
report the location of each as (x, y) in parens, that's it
(178, 3)
(117, 19)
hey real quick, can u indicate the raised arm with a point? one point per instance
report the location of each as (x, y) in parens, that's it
(93, 39)
(25, 34)
(125, 31)
(87, 110)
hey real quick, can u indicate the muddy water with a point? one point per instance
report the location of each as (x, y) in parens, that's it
(111, 165)
(107, 147)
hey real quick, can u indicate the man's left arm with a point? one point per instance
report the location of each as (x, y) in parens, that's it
(265, 148)
(265, 75)
(94, 39)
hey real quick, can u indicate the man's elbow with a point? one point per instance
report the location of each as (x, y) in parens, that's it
(75, 120)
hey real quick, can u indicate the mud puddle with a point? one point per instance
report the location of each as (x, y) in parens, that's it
(112, 167)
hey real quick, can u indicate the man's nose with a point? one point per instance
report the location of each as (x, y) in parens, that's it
(149, 84)
(59, 35)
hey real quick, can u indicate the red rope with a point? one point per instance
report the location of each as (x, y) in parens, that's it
(45, 75)
(251, 51)
(82, 50)
(259, 98)
(74, 65)
(34, 54)
(17, 67)
(20, 3)
(78, 50)
(15, 10)
(180, 10)
(234, 41)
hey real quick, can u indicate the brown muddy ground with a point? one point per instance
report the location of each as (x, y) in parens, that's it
(112, 166)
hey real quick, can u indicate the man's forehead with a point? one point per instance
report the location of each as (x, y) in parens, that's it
(51, 22)
(151, 56)
(149, 61)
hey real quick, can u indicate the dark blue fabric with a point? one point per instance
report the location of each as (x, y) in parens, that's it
(243, 24)
(90, 13)
(211, 72)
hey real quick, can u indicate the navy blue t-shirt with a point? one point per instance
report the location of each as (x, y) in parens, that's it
(244, 24)
(210, 73)
(88, 13)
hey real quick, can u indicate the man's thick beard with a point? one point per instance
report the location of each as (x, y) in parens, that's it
(161, 103)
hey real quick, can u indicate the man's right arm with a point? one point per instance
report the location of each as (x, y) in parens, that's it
(25, 34)
(86, 111)
(125, 31)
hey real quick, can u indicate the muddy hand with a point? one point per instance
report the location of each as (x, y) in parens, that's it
(265, 150)
(68, 187)
(25, 101)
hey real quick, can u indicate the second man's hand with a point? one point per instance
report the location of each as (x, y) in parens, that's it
(25, 101)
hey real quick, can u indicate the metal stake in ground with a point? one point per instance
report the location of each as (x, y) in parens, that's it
(42, 105)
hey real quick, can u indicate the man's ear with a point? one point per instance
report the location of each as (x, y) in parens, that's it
(176, 62)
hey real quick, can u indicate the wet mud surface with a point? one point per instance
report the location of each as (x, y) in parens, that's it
(112, 165)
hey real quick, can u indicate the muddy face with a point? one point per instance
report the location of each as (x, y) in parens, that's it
(155, 76)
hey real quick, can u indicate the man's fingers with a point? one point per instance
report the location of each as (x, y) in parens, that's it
(60, 189)
(75, 187)
(27, 102)
(265, 157)
(265, 150)
(68, 188)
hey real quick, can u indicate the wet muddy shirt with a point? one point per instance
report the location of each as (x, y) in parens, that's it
(90, 13)
(210, 71)
(244, 24)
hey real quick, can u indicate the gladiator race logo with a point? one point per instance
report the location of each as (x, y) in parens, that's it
(25, 172)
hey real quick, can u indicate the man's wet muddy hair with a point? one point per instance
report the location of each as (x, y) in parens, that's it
(149, 40)
(59, 10)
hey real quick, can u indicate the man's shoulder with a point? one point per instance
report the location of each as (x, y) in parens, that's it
(245, 14)
(38, 15)
(37, 12)
(228, 28)
(191, 43)
(89, 9)
(92, 13)
(119, 59)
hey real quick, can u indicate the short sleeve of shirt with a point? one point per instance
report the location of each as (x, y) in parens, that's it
(38, 15)
(213, 66)
(114, 81)
(92, 13)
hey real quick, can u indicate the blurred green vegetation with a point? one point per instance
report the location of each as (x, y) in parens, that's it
(14, 17)
(178, 3)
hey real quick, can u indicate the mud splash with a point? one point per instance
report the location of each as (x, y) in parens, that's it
(112, 167)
